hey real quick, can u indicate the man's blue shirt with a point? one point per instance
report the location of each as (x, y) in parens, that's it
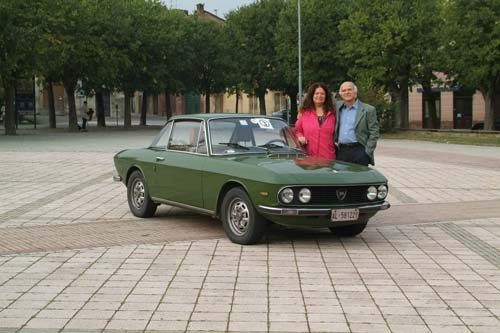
(347, 123)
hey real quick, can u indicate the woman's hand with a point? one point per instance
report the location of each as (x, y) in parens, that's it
(302, 140)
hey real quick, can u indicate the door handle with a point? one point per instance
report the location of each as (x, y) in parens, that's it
(158, 158)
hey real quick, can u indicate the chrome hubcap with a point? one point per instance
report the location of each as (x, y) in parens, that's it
(239, 217)
(138, 194)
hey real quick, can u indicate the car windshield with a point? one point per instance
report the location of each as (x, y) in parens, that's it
(243, 135)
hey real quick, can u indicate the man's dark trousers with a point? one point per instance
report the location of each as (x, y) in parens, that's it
(353, 153)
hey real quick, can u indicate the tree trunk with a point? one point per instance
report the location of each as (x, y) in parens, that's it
(400, 97)
(99, 109)
(155, 103)
(489, 104)
(430, 100)
(237, 100)
(127, 113)
(69, 87)
(207, 101)
(10, 112)
(168, 106)
(292, 93)
(144, 109)
(52, 108)
(404, 103)
(261, 93)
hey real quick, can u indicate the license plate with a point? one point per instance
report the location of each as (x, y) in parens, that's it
(350, 214)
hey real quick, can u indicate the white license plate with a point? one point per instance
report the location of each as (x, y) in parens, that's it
(350, 214)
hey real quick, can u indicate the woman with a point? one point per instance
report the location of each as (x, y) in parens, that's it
(316, 124)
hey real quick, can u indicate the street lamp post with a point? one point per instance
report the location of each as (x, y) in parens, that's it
(299, 53)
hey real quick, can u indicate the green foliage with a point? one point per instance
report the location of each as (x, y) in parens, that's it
(19, 32)
(210, 55)
(251, 29)
(393, 44)
(472, 40)
(379, 98)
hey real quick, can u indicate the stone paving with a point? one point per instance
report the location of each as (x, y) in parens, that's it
(73, 259)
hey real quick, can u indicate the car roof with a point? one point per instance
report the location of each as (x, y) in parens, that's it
(207, 116)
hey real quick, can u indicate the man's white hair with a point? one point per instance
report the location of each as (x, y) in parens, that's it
(351, 83)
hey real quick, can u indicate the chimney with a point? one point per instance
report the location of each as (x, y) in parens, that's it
(200, 8)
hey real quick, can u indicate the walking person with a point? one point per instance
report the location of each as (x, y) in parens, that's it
(316, 125)
(84, 115)
(357, 129)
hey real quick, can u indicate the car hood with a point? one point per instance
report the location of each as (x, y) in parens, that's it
(286, 168)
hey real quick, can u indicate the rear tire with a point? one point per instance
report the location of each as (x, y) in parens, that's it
(139, 201)
(241, 222)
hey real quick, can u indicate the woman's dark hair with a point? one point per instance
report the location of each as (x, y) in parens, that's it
(308, 102)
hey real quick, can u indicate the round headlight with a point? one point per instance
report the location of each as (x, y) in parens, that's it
(382, 192)
(305, 195)
(371, 194)
(286, 195)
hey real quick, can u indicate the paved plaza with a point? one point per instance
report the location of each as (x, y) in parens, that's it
(74, 259)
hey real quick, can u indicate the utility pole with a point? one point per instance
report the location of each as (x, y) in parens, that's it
(299, 101)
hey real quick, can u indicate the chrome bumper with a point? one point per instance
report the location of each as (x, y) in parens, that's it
(117, 178)
(319, 211)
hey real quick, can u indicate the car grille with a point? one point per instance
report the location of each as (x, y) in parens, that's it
(332, 195)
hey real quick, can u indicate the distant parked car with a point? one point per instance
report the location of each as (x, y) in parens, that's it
(247, 170)
(480, 126)
(283, 114)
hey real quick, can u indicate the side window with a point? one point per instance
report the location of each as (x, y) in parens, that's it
(184, 136)
(202, 144)
(161, 139)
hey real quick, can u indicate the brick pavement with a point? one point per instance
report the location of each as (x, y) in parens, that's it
(73, 259)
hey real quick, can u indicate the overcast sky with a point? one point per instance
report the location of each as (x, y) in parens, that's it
(219, 7)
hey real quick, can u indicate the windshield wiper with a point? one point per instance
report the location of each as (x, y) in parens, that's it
(234, 145)
(271, 146)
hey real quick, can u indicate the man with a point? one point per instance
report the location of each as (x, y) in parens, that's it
(357, 129)
(84, 115)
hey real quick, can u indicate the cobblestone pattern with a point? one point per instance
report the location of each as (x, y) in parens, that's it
(392, 279)
(430, 182)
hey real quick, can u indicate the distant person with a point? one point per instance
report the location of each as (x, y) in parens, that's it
(316, 125)
(84, 115)
(357, 129)
(90, 113)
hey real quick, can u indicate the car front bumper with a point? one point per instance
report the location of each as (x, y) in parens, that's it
(284, 211)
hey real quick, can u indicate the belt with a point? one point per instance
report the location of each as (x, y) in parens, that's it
(349, 145)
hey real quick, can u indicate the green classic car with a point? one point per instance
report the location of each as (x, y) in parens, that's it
(248, 170)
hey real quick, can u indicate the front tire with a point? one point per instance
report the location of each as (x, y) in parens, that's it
(241, 222)
(139, 201)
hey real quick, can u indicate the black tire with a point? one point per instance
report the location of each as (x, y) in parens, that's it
(241, 222)
(349, 230)
(139, 201)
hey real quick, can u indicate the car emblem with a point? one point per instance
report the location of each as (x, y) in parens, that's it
(341, 194)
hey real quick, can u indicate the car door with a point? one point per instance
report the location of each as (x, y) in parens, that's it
(178, 174)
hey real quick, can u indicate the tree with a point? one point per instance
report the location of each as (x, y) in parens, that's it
(251, 29)
(210, 58)
(378, 40)
(321, 60)
(18, 49)
(472, 40)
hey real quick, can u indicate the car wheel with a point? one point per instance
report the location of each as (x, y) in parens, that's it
(139, 202)
(242, 223)
(350, 230)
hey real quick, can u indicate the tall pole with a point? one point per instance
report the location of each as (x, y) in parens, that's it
(299, 54)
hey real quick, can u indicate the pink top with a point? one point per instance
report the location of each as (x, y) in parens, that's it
(319, 137)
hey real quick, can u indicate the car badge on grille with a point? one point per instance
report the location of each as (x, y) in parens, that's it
(341, 193)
